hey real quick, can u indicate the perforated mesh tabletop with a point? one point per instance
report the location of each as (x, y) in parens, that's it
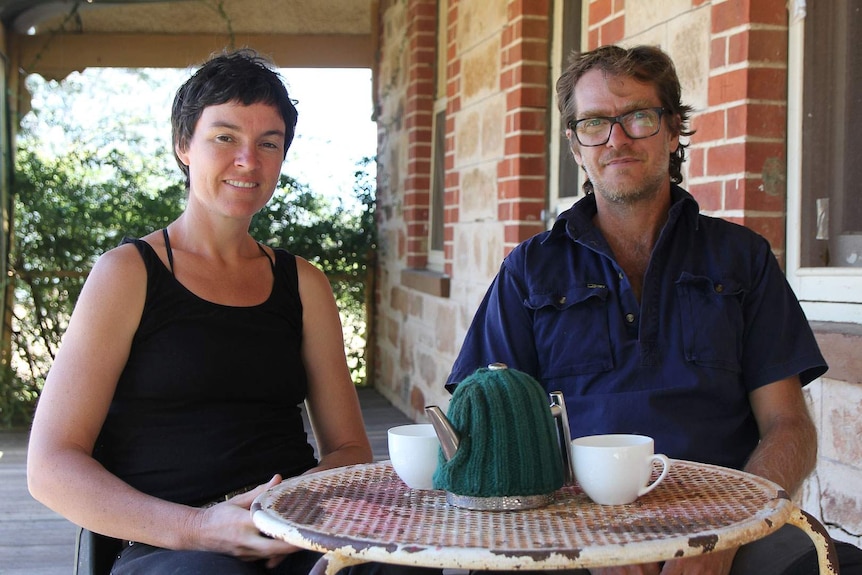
(366, 513)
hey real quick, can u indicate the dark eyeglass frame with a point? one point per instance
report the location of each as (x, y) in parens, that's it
(573, 125)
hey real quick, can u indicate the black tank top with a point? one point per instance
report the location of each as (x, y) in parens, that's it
(208, 401)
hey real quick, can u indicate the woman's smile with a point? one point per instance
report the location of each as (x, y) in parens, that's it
(239, 184)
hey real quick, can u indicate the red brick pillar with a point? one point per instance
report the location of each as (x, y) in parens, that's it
(522, 173)
(738, 154)
(607, 23)
(418, 116)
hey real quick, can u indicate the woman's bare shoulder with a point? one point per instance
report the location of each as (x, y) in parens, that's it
(307, 271)
(119, 268)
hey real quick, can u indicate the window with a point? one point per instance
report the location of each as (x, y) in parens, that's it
(565, 179)
(824, 255)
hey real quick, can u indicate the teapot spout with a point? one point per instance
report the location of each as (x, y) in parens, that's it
(449, 438)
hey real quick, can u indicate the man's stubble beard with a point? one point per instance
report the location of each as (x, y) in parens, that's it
(646, 189)
(630, 195)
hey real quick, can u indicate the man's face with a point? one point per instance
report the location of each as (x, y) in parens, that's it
(623, 170)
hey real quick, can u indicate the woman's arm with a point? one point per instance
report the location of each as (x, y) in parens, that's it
(332, 402)
(61, 471)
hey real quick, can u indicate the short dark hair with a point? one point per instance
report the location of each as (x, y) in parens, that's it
(242, 76)
(644, 63)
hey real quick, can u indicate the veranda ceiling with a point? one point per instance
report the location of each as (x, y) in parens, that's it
(55, 37)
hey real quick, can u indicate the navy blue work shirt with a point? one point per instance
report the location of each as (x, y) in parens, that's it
(717, 320)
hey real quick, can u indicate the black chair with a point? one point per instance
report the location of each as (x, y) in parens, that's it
(94, 553)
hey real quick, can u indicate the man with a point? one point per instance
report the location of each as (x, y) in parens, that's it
(648, 316)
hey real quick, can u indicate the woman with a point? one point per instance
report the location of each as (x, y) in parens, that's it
(174, 398)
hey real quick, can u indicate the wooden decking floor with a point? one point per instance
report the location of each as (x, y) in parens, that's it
(37, 541)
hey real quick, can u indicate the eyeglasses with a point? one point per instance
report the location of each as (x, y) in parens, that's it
(636, 124)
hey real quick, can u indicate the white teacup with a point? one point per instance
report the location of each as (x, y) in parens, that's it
(413, 451)
(615, 469)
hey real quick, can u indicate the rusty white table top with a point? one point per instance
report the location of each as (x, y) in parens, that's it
(366, 513)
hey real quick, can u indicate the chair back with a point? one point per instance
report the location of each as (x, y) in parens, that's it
(94, 554)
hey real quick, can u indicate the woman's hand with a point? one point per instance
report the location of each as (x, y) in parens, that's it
(228, 528)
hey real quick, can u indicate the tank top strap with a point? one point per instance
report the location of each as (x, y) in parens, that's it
(171, 253)
(168, 249)
(264, 252)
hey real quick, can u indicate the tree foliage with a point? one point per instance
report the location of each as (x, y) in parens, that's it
(73, 203)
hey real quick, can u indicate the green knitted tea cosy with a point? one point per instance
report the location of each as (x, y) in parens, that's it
(508, 438)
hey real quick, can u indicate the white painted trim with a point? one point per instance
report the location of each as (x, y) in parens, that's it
(436, 261)
(554, 135)
(555, 204)
(835, 312)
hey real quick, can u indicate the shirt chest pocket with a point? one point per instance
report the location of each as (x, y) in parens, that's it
(712, 321)
(571, 331)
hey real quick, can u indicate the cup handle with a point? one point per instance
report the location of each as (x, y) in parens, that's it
(665, 462)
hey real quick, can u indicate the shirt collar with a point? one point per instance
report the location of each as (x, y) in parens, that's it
(577, 221)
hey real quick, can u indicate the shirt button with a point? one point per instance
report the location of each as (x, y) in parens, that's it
(621, 275)
(630, 317)
(562, 300)
(719, 288)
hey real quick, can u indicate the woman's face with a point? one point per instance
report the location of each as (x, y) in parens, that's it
(235, 157)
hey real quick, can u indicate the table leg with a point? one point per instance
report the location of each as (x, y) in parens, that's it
(827, 557)
(331, 563)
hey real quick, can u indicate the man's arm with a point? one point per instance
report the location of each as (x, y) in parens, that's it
(787, 451)
(786, 455)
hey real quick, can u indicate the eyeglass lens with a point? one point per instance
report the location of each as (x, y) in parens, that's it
(636, 124)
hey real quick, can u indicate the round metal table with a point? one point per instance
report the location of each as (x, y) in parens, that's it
(365, 513)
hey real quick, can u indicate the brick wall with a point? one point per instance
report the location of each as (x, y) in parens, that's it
(522, 172)
(738, 160)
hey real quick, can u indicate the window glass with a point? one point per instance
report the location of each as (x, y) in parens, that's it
(438, 181)
(437, 201)
(831, 186)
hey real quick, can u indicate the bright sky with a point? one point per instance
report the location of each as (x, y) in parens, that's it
(333, 133)
(334, 129)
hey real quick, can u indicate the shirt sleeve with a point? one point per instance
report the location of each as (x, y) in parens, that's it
(778, 340)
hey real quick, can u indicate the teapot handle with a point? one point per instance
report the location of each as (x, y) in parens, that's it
(564, 435)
